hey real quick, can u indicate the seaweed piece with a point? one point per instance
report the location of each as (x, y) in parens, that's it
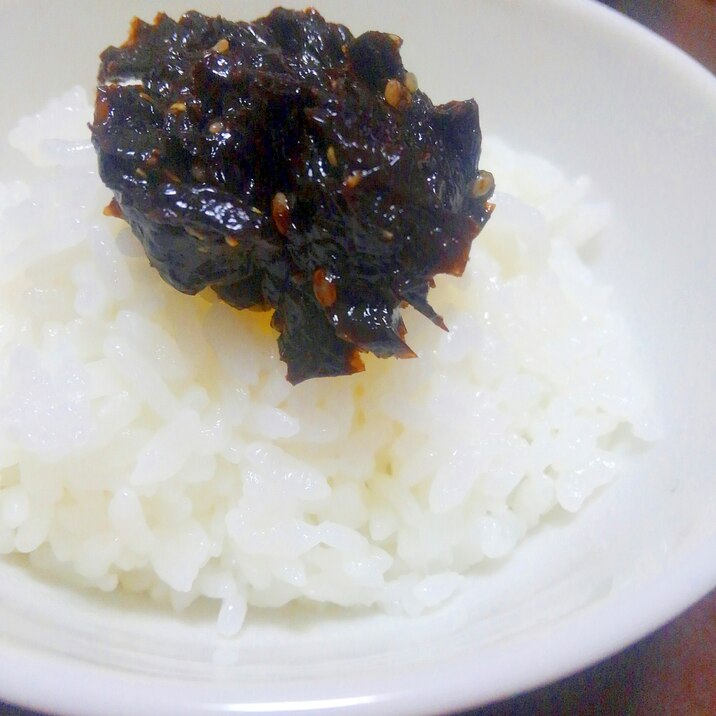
(291, 166)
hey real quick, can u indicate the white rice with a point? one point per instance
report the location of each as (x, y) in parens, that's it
(149, 440)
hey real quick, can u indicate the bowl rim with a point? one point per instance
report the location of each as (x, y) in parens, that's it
(39, 681)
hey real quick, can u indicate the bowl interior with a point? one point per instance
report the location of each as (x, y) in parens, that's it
(594, 94)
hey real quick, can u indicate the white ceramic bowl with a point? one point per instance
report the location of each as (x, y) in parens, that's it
(594, 93)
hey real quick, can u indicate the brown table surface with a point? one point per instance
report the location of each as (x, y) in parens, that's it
(671, 672)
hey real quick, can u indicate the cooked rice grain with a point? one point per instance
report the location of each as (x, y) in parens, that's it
(150, 442)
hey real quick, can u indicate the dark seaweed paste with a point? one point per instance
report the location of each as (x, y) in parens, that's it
(291, 166)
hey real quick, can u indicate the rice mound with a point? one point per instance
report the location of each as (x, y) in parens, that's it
(150, 442)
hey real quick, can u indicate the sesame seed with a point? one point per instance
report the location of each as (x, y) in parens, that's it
(221, 46)
(411, 82)
(178, 107)
(396, 95)
(332, 158)
(392, 93)
(280, 212)
(231, 241)
(483, 185)
(353, 180)
(324, 287)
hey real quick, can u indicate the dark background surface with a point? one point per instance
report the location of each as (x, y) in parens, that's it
(672, 672)
(690, 24)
